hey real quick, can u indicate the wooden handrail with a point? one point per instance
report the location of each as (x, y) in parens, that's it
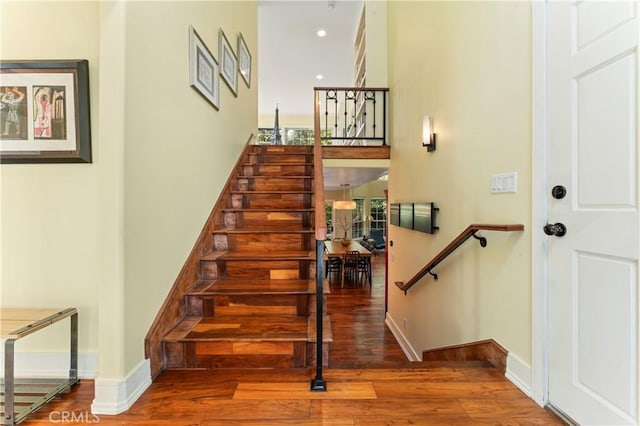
(469, 232)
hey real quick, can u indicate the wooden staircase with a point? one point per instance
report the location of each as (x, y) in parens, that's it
(252, 304)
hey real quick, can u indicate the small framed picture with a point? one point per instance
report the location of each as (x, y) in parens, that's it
(204, 73)
(228, 64)
(244, 60)
(44, 112)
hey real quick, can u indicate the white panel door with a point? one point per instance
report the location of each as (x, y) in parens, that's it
(593, 153)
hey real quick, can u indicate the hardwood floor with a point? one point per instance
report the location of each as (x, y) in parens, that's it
(369, 380)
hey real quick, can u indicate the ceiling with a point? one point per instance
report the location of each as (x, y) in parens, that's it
(291, 55)
(336, 177)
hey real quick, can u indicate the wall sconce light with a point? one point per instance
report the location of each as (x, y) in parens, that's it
(428, 137)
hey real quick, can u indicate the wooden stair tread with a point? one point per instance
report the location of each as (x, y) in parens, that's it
(282, 148)
(283, 152)
(269, 210)
(238, 328)
(274, 177)
(239, 191)
(242, 287)
(277, 164)
(266, 229)
(260, 255)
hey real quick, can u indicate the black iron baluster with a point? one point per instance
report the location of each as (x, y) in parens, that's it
(345, 128)
(371, 95)
(384, 118)
(335, 116)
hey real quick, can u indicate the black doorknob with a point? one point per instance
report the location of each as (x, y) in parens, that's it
(557, 229)
(558, 192)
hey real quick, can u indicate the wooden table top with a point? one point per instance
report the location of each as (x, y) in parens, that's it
(336, 249)
(18, 322)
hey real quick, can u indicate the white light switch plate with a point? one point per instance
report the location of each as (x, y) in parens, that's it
(504, 182)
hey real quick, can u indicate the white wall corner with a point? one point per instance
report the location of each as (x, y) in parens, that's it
(115, 396)
(402, 340)
(519, 373)
(48, 365)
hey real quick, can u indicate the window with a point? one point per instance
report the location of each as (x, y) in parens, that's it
(358, 218)
(378, 213)
(298, 137)
(328, 210)
(291, 136)
(265, 136)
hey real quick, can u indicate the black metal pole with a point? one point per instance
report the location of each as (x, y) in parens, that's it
(318, 384)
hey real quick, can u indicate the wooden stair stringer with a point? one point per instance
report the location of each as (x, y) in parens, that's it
(173, 308)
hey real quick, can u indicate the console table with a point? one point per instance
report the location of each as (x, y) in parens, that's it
(24, 396)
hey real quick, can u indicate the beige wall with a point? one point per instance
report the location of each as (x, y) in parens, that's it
(111, 236)
(296, 121)
(371, 189)
(376, 43)
(179, 149)
(52, 217)
(468, 65)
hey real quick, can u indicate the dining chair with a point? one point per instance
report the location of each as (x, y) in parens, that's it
(364, 268)
(333, 267)
(350, 265)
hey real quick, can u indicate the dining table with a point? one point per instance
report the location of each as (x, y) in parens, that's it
(335, 248)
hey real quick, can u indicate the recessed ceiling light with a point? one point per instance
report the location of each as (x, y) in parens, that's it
(319, 77)
(321, 33)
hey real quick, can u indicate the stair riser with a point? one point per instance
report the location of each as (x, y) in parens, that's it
(273, 184)
(236, 354)
(243, 354)
(261, 242)
(280, 201)
(256, 158)
(278, 220)
(312, 351)
(303, 149)
(208, 306)
(278, 170)
(258, 269)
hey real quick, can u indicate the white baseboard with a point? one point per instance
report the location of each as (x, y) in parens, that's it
(52, 364)
(402, 340)
(115, 396)
(519, 373)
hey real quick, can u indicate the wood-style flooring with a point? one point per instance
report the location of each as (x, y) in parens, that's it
(369, 381)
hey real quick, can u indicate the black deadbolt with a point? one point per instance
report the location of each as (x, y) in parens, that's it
(558, 192)
(557, 229)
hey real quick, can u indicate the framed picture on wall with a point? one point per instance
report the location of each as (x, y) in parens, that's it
(228, 63)
(244, 60)
(44, 112)
(204, 72)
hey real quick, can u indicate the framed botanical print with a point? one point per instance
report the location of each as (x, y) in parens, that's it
(228, 63)
(204, 72)
(244, 60)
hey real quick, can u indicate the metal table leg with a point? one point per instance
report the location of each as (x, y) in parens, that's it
(9, 382)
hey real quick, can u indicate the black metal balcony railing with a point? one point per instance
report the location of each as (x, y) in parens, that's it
(353, 116)
(348, 117)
